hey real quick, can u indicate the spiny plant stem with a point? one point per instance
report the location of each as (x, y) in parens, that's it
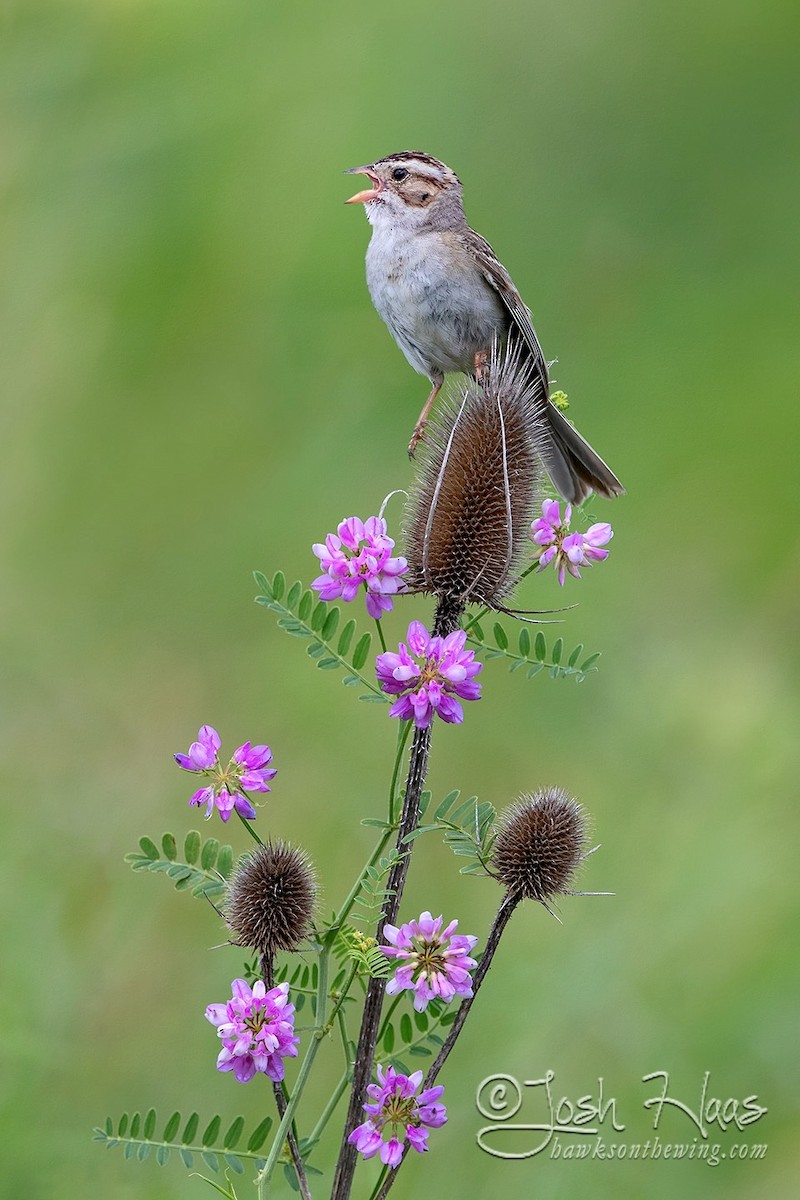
(446, 619)
(507, 906)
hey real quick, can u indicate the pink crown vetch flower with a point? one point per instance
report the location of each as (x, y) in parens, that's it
(246, 771)
(257, 1030)
(567, 551)
(427, 674)
(397, 1113)
(359, 555)
(434, 963)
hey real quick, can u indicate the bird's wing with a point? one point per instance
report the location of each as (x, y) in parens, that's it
(499, 279)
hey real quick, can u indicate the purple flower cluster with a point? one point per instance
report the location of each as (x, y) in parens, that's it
(443, 670)
(360, 554)
(246, 771)
(395, 1113)
(435, 962)
(568, 551)
(257, 1030)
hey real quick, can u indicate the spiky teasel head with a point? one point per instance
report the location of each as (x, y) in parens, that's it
(540, 844)
(471, 507)
(271, 898)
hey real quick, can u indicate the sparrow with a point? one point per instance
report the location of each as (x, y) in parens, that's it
(445, 297)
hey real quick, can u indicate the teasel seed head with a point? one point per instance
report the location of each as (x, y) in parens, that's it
(540, 844)
(470, 510)
(271, 898)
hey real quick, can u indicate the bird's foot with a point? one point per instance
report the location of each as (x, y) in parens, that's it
(481, 366)
(417, 436)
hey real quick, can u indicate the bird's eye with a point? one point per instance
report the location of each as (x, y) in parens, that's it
(399, 173)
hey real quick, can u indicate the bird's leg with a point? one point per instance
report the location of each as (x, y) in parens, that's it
(481, 366)
(419, 428)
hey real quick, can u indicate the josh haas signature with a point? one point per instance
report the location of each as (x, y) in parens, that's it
(499, 1099)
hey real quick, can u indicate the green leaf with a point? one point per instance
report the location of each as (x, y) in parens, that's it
(576, 653)
(278, 585)
(212, 1131)
(169, 846)
(143, 1151)
(525, 641)
(122, 1128)
(318, 615)
(362, 650)
(329, 664)
(259, 1135)
(406, 1028)
(171, 1127)
(388, 1039)
(331, 624)
(136, 1124)
(263, 583)
(150, 1123)
(149, 848)
(210, 1159)
(225, 861)
(191, 1128)
(187, 1156)
(589, 662)
(446, 804)
(191, 846)
(477, 629)
(558, 650)
(293, 595)
(234, 1133)
(500, 636)
(315, 649)
(235, 1164)
(162, 1155)
(208, 855)
(375, 823)
(305, 606)
(540, 646)
(535, 669)
(346, 637)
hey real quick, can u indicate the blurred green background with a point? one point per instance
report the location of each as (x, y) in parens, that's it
(195, 385)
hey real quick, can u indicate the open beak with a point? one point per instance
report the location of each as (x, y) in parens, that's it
(368, 193)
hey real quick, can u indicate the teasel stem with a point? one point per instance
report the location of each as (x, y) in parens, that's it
(507, 906)
(281, 1099)
(447, 618)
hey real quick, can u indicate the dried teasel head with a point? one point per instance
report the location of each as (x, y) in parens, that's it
(471, 507)
(271, 899)
(541, 842)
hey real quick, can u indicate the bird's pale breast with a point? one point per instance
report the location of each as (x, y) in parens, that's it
(429, 291)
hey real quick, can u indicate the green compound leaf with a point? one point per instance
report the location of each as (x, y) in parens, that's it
(304, 617)
(536, 658)
(207, 879)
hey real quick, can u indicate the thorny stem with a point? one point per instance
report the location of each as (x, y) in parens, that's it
(447, 618)
(507, 906)
(281, 1101)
